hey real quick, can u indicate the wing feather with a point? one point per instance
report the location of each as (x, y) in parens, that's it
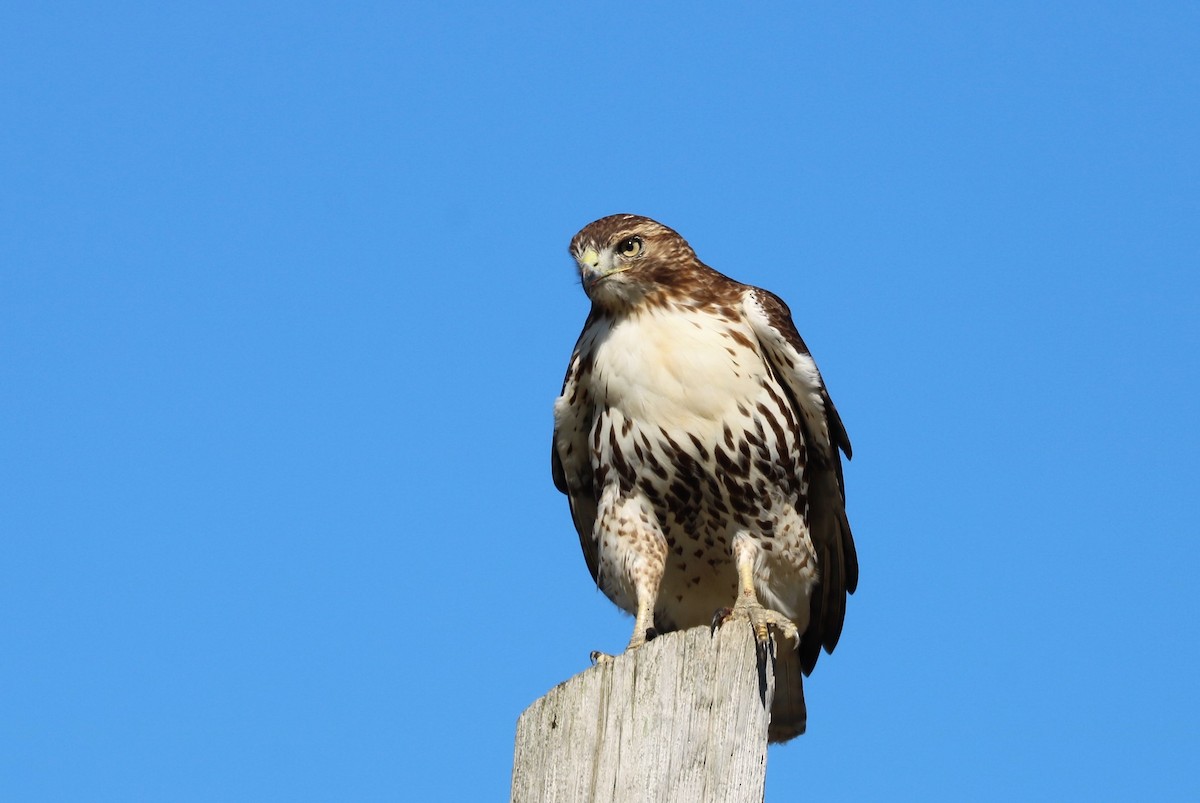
(826, 438)
(570, 465)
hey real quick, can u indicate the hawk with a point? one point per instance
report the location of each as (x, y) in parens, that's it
(700, 453)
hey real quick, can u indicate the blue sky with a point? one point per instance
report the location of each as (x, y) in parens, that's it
(285, 302)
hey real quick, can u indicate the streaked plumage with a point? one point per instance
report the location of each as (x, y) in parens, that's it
(699, 450)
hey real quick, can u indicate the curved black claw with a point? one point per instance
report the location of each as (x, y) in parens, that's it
(719, 618)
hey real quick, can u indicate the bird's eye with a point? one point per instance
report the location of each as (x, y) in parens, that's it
(630, 247)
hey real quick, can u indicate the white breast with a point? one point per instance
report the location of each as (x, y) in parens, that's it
(680, 369)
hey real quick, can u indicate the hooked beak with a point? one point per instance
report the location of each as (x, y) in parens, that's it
(593, 267)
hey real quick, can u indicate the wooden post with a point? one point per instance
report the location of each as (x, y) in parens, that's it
(684, 718)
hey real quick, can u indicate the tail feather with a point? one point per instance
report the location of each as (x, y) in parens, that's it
(789, 716)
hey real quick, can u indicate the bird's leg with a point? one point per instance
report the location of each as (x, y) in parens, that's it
(747, 605)
(643, 622)
(643, 629)
(633, 559)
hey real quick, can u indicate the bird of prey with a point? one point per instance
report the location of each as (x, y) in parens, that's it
(699, 451)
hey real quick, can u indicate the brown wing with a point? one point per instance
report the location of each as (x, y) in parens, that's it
(570, 463)
(826, 439)
(583, 513)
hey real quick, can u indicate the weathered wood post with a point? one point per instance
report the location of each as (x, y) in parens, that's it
(684, 718)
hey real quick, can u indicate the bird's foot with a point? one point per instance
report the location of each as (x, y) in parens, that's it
(639, 638)
(761, 619)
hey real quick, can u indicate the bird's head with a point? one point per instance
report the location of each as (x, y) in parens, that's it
(625, 259)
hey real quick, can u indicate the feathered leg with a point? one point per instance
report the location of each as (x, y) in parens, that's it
(633, 556)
